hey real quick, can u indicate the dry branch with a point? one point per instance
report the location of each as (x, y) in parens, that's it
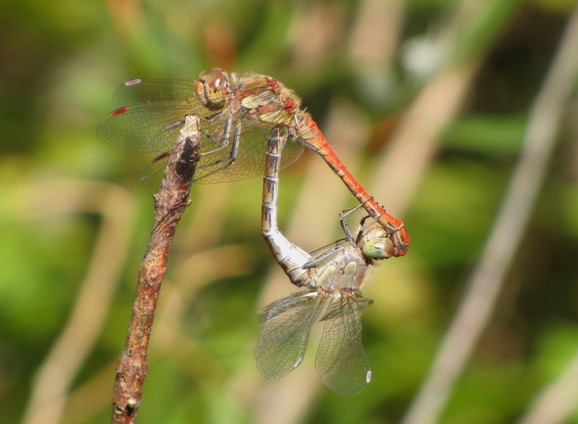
(170, 203)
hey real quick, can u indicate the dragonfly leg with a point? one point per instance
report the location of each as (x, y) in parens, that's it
(222, 163)
(344, 214)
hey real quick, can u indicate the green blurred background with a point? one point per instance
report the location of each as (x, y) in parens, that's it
(75, 221)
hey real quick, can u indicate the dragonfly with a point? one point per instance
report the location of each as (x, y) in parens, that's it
(236, 116)
(331, 278)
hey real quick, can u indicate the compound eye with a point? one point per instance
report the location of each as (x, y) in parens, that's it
(212, 89)
(378, 248)
(215, 80)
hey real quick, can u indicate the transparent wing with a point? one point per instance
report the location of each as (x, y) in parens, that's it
(249, 158)
(327, 252)
(147, 127)
(151, 90)
(286, 324)
(341, 360)
(151, 113)
(219, 164)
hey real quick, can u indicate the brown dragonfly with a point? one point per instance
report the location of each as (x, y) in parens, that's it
(236, 117)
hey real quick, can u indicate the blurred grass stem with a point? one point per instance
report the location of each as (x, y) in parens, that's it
(488, 278)
(49, 394)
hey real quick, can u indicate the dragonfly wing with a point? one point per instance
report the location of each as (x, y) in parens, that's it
(151, 90)
(150, 113)
(251, 136)
(286, 324)
(156, 128)
(341, 360)
(325, 253)
(145, 127)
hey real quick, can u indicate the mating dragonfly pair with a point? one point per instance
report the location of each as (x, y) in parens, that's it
(249, 126)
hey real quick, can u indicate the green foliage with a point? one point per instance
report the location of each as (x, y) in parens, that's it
(60, 65)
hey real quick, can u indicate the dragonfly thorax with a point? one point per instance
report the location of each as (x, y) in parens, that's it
(269, 101)
(345, 271)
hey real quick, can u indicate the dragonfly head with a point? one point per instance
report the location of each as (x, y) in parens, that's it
(213, 88)
(376, 244)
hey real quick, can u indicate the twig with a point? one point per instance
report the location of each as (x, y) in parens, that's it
(487, 280)
(170, 203)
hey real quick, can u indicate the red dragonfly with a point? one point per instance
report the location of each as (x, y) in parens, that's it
(331, 278)
(237, 115)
